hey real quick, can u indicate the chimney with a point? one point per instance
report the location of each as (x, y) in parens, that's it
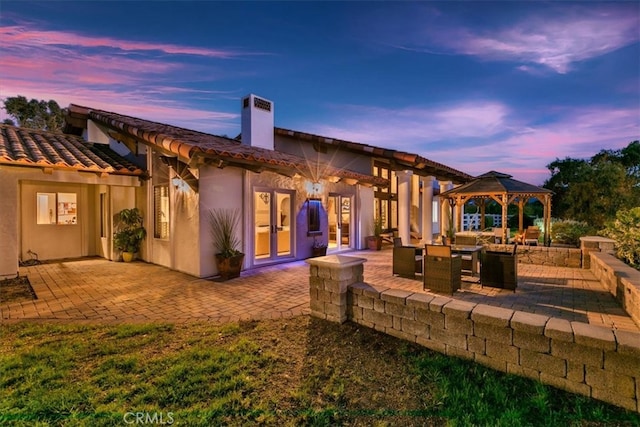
(257, 122)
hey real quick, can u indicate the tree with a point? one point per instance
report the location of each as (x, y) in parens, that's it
(625, 230)
(34, 114)
(594, 190)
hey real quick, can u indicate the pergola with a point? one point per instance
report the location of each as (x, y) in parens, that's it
(504, 190)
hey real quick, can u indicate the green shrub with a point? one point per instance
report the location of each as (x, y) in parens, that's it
(625, 230)
(568, 232)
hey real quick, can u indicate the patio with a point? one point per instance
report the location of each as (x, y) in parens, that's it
(95, 290)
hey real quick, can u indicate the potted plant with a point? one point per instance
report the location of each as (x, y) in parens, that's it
(129, 233)
(375, 242)
(229, 259)
(450, 237)
(319, 248)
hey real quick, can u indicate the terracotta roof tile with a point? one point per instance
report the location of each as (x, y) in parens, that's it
(409, 159)
(189, 143)
(29, 147)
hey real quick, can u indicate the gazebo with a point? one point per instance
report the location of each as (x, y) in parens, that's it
(504, 190)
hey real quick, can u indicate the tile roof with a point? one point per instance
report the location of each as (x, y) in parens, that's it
(34, 148)
(189, 145)
(403, 159)
(496, 183)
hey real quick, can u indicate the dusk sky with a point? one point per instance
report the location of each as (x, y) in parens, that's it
(478, 86)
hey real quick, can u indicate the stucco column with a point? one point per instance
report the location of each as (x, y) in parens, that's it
(9, 225)
(427, 208)
(404, 206)
(445, 208)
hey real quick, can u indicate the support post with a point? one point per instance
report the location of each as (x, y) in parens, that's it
(505, 227)
(404, 206)
(445, 208)
(427, 209)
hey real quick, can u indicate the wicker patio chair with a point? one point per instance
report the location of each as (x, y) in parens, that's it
(442, 269)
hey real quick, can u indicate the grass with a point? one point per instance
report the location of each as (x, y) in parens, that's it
(299, 371)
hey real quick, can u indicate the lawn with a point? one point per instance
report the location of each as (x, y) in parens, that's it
(299, 371)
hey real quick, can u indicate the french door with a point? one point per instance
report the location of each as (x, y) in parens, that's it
(340, 229)
(273, 224)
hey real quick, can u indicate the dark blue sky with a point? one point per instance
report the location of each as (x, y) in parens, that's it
(508, 86)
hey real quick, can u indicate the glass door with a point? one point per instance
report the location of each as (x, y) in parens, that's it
(273, 228)
(339, 214)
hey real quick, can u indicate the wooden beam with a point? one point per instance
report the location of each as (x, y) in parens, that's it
(520, 215)
(547, 220)
(182, 171)
(499, 199)
(504, 203)
(460, 205)
(130, 142)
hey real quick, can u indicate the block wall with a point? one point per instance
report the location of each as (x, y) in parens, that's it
(622, 281)
(543, 255)
(328, 290)
(593, 361)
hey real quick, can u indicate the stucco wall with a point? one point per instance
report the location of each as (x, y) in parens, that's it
(185, 234)
(54, 241)
(10, 217)
(121, 198)
(303, 242)
(218, 188)
(9, 224)
(103, 244)
(338, 158)
(366, 204)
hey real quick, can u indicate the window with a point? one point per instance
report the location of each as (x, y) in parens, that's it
(386, 204)
(313, 216)
(57, 208)
(161, 211)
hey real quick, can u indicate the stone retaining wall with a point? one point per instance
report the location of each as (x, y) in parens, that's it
(543, 255)
(621, 280)
(590, 360)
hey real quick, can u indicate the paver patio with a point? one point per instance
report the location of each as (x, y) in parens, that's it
(97, 291)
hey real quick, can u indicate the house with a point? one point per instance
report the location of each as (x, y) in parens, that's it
(60, 192)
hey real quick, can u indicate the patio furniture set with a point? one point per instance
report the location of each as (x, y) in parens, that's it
(442, 266)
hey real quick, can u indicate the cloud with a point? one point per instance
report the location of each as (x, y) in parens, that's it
(554, 38)
(24, 36)
(479, 136)
(555, 44)
(405, 125)
(130, 77)
(151, 105)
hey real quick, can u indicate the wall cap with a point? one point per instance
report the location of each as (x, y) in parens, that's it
(596, 239)
(335, 261)
(594, 336)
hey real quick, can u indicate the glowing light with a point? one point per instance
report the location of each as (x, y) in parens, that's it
(313, 189)
(180, 184)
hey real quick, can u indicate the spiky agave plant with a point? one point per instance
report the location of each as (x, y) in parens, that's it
(224, 223)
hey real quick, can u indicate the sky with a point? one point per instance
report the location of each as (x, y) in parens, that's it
(477, 86)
